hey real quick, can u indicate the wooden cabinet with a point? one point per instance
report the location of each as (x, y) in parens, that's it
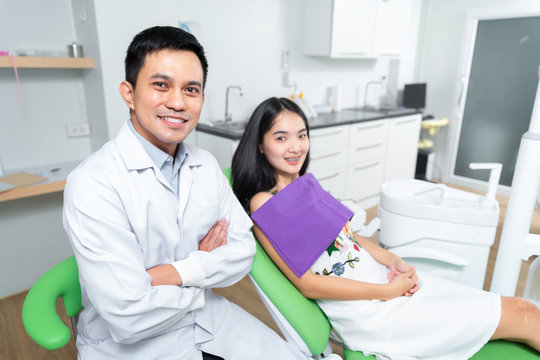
(356, 28)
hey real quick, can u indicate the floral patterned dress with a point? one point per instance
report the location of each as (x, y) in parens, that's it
(444, 320)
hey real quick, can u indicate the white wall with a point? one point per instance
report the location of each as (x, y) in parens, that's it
(440, 59)
(33, 133)
(118, 22)
(244, 40)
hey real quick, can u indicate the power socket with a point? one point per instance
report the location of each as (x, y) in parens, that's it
(77, 129)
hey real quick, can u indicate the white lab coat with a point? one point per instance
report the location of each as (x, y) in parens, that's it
(123, 217)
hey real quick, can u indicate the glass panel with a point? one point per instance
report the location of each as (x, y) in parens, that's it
(500, 96)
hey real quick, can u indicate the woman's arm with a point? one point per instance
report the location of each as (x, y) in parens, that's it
(331, 287)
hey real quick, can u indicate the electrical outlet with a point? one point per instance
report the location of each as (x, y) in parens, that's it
(77, 130)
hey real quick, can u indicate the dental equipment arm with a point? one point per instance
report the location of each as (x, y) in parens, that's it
(494, 176)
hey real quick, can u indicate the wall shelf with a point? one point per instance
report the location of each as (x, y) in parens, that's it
(47, 62)
(56, 174)
(32, 190)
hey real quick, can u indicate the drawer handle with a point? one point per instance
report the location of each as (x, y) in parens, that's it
(405, 121)
(328, 176)
(352, 53)
(326, 133)
(367, 166)
(325, 155)
(360, 128)
(368, 147)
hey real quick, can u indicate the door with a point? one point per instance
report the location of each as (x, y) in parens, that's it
(499, 87)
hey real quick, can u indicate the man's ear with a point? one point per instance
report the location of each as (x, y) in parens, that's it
(127, 93)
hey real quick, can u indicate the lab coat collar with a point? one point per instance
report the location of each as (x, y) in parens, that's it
(136, 158)
(132, 151)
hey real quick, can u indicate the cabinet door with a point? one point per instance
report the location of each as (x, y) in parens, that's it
(353, 26)
(402, 147)
(392, 27)
(367, 141)
(329, 138)
(364, 180)
(222, 148)
(327, 160)
(333, 181)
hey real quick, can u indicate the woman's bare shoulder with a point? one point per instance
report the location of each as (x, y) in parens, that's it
(258, 200)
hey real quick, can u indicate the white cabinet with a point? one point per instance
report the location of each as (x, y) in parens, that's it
(350, 161)
(328, 158)
(356, 28)
(367, 153)
(353, 161)
(222, 148)
(402, 149)
(392, 27)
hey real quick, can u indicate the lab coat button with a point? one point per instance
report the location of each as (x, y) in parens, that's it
(198, 346)
(195, 315)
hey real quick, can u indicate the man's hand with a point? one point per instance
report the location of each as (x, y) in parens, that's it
(164, 275)
(216, 237)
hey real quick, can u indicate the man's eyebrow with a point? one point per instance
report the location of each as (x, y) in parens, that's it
(169, 78)
(194, 83)
(160, 76)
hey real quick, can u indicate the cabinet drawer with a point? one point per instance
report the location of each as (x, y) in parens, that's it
(329, 138)
(368, 132)
(333, 182)
(327, 160)
(363, 152)
(364, 180)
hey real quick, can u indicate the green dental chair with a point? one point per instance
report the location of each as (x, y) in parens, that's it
(39, 315)
(305, 323)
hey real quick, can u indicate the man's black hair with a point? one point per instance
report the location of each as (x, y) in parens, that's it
(158, 38)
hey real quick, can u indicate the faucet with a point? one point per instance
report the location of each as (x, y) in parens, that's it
(228, 116)
(373, 82)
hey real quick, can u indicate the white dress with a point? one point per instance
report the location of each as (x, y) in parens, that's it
(443, 320)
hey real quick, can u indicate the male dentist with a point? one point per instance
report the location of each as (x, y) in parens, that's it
(154, 225)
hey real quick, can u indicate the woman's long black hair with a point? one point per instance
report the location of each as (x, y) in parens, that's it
(251, 172)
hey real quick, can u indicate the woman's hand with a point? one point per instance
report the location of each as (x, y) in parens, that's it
(398, 267)
(402, 284)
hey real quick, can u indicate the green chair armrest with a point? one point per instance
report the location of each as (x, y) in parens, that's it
(39, 315)
(356, 355)
(503, 349)
(303, 314)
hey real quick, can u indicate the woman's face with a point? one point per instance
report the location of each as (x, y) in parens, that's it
(286, 144)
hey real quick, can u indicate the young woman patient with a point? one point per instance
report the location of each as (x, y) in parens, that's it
(375, 301)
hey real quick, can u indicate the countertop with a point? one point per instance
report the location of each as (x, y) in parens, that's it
(234, 130)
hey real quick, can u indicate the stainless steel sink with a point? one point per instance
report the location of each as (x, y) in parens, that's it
(235, 126)
(383, 111)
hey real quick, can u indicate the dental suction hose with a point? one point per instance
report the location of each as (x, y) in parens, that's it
(516, 243)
